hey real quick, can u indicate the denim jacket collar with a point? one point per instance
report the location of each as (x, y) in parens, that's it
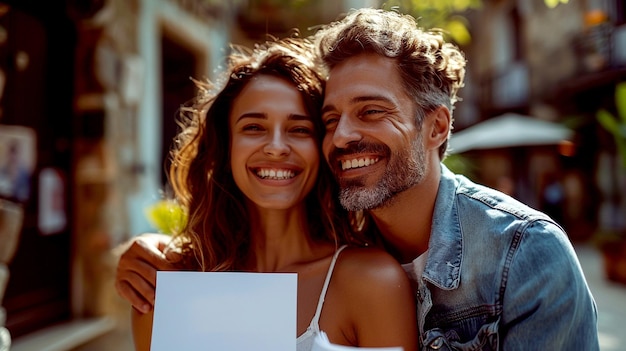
(445, 246)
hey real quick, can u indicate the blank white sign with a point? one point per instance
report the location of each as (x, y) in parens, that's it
(225, 311)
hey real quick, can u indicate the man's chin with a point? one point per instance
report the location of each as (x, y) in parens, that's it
(353, 199)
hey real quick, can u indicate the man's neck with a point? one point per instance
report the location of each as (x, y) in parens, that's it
(405, 223)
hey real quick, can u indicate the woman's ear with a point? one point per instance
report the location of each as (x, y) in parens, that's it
(437, 127)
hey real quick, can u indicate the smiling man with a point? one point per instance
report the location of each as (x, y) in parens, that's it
(490, 272)
(363, 98)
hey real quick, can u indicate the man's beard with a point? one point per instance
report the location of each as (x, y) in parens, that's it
(405, 169)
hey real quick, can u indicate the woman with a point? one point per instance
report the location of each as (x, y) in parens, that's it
(247, 167)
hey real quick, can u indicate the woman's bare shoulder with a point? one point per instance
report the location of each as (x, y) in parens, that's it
(363, 266)
(373, 295)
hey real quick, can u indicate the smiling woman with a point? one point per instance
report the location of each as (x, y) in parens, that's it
(248, 170)
(274, 150)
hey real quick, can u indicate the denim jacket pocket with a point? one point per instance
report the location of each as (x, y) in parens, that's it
(486, 339)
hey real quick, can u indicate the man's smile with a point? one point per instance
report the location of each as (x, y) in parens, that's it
(358, 162)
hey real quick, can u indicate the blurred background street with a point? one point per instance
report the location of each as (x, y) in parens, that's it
(89, 96)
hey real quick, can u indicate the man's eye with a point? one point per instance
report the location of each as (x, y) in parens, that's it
(372, 112)
(330, 121)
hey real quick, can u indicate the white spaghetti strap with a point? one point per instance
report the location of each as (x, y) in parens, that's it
(329, 274)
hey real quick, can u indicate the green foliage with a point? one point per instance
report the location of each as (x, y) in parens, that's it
(616, 125)
(460, 164)
(446, 15)
(167, 216)
(442, 14)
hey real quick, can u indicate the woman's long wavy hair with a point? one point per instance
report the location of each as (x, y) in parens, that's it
(217, 234)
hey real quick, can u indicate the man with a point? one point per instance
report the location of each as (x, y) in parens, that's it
(490, 273)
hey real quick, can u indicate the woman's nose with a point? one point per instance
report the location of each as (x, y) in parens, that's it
(277, 145)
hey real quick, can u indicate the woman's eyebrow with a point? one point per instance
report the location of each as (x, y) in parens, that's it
(251, 115)
(298, 117)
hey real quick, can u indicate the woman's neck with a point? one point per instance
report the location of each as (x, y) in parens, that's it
(280, 239)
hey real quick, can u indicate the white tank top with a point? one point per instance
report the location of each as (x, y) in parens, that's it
(305, 341)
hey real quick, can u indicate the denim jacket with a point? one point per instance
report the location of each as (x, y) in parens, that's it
(500, 276)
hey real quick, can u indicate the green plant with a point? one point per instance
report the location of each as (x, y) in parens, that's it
(167, 216)
(616, 125)
(461, 164)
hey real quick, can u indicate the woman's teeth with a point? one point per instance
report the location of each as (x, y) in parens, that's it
(277, 174)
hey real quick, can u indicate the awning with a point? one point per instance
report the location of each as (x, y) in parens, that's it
(509, 130)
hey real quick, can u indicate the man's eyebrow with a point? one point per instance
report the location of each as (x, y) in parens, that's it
(327, 108)
(364, 98)
(371, 98)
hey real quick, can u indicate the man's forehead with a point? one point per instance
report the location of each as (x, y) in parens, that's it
(361, 76)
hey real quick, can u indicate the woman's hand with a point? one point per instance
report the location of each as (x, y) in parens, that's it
(140, 259)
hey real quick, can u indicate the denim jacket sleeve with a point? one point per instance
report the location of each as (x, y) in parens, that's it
(547, 303)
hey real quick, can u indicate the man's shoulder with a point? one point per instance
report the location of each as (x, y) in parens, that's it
(482, 213)
(471, 213)
(479, 199)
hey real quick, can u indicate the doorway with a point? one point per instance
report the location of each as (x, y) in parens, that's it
(36, 57)
(178, 66)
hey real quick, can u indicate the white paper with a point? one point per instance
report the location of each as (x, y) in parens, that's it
(225, 311)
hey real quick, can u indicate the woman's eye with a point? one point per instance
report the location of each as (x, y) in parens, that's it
(252, 128)
(302, 130)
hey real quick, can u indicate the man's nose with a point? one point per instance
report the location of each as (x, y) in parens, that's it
(277, 146)
(346, 131)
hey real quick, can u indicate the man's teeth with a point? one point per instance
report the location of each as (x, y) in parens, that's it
(358, 163)
(275, 173)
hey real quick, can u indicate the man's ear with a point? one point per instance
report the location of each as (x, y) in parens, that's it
(437, 127)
